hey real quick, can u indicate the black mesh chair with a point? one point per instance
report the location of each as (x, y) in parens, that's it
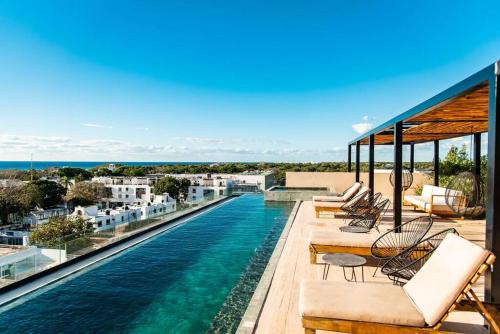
(370, 219)
(401, 268)
(363, 205)
(356, 200)
(399, 239)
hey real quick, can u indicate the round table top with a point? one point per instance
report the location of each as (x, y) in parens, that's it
(354, 229)
(344, 260)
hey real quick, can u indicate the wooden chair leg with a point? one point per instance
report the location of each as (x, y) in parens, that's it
(486, 314)
(312, 255)
(317, 213)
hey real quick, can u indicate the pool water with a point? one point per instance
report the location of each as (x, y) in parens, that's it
(196, 278)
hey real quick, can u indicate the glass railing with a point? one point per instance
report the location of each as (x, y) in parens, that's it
(21, 262)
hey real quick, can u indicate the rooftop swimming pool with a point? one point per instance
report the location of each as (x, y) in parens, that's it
(195, 278)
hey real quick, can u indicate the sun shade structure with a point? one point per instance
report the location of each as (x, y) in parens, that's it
(470, 107)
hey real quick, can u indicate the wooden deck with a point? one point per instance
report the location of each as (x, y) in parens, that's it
(280, 312)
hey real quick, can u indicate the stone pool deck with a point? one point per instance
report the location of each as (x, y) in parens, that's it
(280, 310)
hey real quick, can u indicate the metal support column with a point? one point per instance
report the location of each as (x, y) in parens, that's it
(436, 162)
(477, 154)
(371, 163)
(358, 147)
(398, 173)
(349, 167)
(412, 158)
(492, 279)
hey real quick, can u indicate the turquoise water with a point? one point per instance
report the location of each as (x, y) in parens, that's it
(196, 278)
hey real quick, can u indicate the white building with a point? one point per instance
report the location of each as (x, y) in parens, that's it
(42, 216)
(127, 190)
(103, 219)
(199, 193)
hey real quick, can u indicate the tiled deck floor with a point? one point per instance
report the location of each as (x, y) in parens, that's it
(280, 313)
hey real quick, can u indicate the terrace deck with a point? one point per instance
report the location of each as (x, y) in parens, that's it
(280, 312)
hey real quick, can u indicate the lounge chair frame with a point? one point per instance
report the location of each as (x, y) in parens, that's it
(315, 249)
(311, 324)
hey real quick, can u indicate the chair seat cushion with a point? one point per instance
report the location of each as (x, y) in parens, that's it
(339, 238)
(369, 302)
(327, 199)
(318, 204)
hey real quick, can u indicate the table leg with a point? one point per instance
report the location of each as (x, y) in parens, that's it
(326, 270)
(362, 273)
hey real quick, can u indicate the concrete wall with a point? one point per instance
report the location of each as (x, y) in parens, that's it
(339, 181)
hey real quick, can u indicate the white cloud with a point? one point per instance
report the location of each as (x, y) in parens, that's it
(93, 125)
(362, 127)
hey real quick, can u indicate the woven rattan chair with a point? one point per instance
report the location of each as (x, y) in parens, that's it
(401, 268)
(370, 218)
(399, 239)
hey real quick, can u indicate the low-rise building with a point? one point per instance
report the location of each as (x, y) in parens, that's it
(199, 193)
(127, 190)
(42, 216)
(103, 219)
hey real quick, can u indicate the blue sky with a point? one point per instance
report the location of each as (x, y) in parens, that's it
(226, 80)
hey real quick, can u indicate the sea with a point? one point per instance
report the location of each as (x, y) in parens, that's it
(25, 165)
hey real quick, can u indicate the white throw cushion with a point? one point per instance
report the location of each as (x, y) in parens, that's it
(443, 277)
(351, 191)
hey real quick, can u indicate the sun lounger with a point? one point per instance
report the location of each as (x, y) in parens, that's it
(420, 306)
(320, 206)
(381, 246)
(343, 197)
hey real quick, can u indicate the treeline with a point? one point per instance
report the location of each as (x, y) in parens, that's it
(123, 170)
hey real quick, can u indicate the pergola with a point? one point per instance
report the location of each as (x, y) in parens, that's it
(471, 106)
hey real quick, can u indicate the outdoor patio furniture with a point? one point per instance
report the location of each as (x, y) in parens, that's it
(343, 197)
(381, 246)
(422, 304)
(433, 200)
(401, 268)
(360, 207)
(343, 261)
(370, 218)
(399, 239)
(320, 206)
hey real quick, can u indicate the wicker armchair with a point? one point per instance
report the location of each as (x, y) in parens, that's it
(401, 238)
(401, 268)
(370, 219)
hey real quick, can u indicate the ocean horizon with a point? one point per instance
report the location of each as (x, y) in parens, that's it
(38, 165)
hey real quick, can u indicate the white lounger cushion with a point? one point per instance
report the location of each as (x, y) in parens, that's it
(328, 204)
(351, 191)
(339, 238)
(327, 198)
(442, 278)
(371, 302)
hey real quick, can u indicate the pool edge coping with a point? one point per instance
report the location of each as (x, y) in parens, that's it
(250, 319)
(18, 289)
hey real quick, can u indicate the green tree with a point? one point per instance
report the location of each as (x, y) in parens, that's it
(17, 200)
(79, 174)
(51, 193)
(60, 227)
(184, 187)
(169, 185)
(87, 193)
